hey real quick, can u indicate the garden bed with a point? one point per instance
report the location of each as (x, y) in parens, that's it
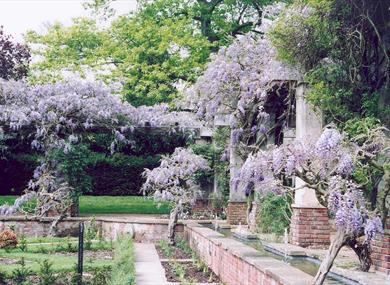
(181, 264)
(35, 260)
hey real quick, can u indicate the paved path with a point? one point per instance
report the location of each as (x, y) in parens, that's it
(148, 269)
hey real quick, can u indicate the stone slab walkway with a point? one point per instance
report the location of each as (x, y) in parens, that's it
(148, 268)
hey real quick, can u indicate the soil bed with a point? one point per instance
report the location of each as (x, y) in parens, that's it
(177, 254)
(94, 254)
(192, 273)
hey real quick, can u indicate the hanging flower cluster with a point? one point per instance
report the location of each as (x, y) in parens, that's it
(237, 81)
(174, 180)
(58, 116)
(324, 165)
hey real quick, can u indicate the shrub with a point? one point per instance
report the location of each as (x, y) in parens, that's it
(275, 213)
(100, 276)
(19, 275)
(46, 273)
(8, 239)
(123, 269)
(23, 243)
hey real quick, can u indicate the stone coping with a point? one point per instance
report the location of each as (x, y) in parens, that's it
(364, 278)
(278, 270)
(317, 206)
(131, 220)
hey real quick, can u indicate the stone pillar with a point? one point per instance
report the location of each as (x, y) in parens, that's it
(237, 205)
(310, 221)
(381, 251)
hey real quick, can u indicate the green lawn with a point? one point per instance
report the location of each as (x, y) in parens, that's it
(95, 205)
(37, 252)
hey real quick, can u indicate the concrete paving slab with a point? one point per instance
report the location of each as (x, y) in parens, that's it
(148, 268)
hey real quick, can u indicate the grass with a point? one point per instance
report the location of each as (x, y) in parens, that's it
(94, 205)
(38, 251)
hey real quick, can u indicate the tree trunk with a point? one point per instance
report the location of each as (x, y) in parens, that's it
(362, 250)
(337, 243)
(172, 223)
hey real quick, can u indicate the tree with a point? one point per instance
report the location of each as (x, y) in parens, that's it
(150, 57)
(344, 48)
(56, 118)
(217, 20)
(174, 181)
(327, 166)
(14, 58)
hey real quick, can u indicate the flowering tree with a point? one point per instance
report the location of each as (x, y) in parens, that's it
(246, 81)
(174, 181)
(327, 166)
(55, 117)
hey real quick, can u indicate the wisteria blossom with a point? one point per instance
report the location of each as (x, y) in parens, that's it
(58, 116)
(325, 165)
(174, 181)
(238, 79)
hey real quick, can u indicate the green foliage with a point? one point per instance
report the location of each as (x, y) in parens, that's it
(343, 50)
(204, 177)
(3, 278)
(101, 276)
(73, 166)
(183, 245)
(46, 273)
(90, 233)
(275, 213)
(23, 243)
(150, 56)
(123, 268)
(222, 168)
(166, 248)
(20, 275)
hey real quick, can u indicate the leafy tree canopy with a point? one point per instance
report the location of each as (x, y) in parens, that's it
(150, 57)
(14, 58)
(163, 45)
(345, 49)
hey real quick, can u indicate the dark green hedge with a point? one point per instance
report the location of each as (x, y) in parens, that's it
(120, 174)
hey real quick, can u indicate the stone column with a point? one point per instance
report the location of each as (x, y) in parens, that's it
(237, 205)
(310, 221)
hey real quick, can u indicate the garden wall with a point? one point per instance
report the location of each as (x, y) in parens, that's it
(239, 264)
(142, 229)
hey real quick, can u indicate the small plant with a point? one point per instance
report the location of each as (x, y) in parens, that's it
(166, 248)
(19, 275)
(42, 249)
(69, 245)
(3, 278)
(183, 245)
(179, 270)
(23, 243)
(46, 273)
(8, 239)
(101, 276)
(90, 233)
(123, 270)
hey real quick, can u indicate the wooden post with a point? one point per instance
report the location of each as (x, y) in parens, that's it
(80, 253)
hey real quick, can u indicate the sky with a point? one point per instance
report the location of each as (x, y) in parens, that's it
(18, 16)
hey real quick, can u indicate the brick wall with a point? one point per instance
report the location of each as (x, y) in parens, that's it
(141, 230)
(236, 213)
(239, 264)
(310, 227)
(381, 251)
